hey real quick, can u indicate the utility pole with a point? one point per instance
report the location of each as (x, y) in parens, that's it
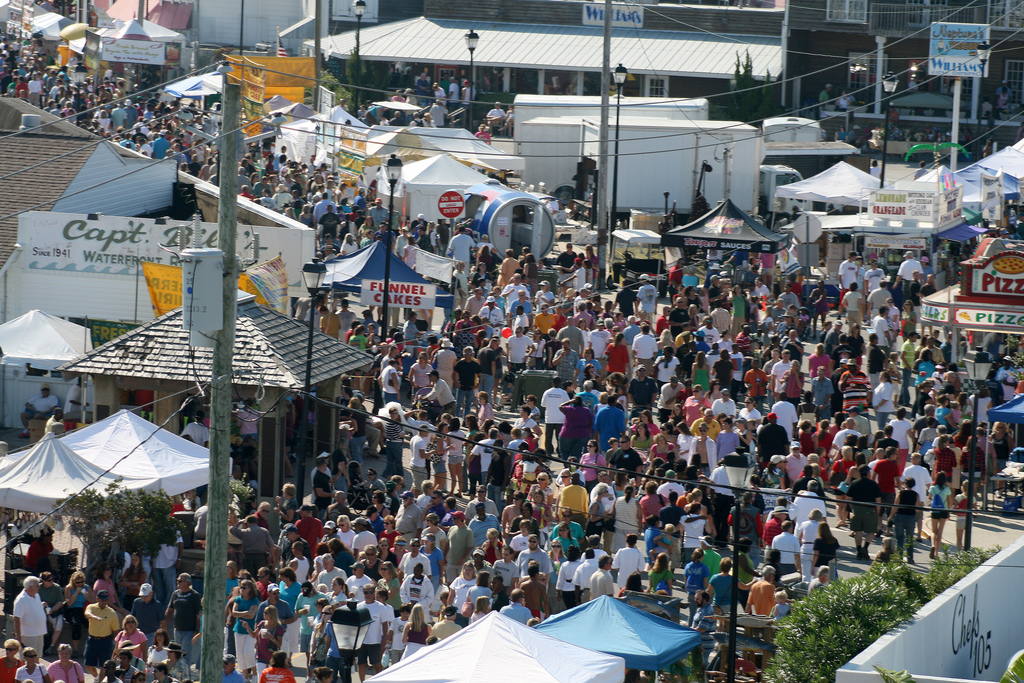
(318, 30)
(215, 577)
(601, 205)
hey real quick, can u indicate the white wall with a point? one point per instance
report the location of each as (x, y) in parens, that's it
(969, 633)
(262, 19)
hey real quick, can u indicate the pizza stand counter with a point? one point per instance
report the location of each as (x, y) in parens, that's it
(989, 298)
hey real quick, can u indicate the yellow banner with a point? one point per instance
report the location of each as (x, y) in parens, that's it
(269, 282)
(282, 72)
(164, 283)
(253, 81)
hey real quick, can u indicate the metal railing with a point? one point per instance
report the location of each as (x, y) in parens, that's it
(847, 11)
(900, 19)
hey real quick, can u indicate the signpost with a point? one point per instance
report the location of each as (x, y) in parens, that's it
(451, 204)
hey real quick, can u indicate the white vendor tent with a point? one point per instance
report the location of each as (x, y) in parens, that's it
(48, 472)
(426, 180)
(497, 649)
(840, 184)
(44, 342)
(167, 460)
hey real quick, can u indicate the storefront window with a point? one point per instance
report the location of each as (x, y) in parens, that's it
(524, 81)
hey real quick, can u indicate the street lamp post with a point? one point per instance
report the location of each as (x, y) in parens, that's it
(313, 274)
(978, 364)
(80, 74)
(359, 9)
(472, 39)
(619, 75)
(737, 468)
(394, 170)
(349, 625)
(889, 84)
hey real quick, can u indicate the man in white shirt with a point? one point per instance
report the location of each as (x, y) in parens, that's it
(581, 579)
(600, 338)
(461, 247)
(848, 271)
(907, 269)
(358, 579)
(724, 405)
(518, 343)
(30, 616)
(491, 313)
(41, 405)
(411, 558)
(779, 369)
(550, 401)
(880, 326)
(390, 380)
(645, 347)
(646, 297)
(873, 277)
(849, 427)
(628, 560)
(381, 615)
(785, 412)
(196, 431)
(921, 479)
(545, 295)
(789, 550)
(709, 332)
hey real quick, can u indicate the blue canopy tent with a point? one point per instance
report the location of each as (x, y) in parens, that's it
(1012, 411)
(346, 273)
(645, 641)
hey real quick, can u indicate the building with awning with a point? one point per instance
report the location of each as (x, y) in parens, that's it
(559, 59)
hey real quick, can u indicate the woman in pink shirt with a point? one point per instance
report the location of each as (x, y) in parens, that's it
(591, 456)
(819, 359)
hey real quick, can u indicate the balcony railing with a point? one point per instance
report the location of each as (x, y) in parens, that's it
(896, 20)
(847, 11)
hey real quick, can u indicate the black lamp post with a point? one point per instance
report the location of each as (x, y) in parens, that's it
(349, 625)
(737, 468)
(619, 74)
(889, 84)
(394, 170)
(358, 9)
(313, 275)
(472, 39)
(978, 364)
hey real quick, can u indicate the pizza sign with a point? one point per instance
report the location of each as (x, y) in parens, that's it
(1002, 275)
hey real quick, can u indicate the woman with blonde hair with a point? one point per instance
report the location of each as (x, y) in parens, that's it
(76, 596)
(416, 632)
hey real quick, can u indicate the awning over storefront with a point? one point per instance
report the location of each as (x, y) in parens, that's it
(674, 53)
(961, 233)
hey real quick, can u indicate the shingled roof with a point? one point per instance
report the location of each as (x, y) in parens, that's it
(43, 185)
(270, 349)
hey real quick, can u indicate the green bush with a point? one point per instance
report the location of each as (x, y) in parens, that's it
(946, 570)
(828, 628)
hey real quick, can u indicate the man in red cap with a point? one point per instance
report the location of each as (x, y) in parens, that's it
(772, 439)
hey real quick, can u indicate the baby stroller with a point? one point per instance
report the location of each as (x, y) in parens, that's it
(432, 407)
(358, 490)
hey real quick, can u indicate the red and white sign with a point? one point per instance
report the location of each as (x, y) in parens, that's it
(408, 294)
(1000, 275)
(451, 204)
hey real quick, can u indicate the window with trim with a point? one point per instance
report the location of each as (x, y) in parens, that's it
(854, 11)
(861, 73)
(1013, 72)
(657, 87)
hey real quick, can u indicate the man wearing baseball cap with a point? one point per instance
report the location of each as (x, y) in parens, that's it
(148, 611)
(772, 439)
(103, 624)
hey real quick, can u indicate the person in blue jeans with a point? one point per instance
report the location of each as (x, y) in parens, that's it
(466, 372)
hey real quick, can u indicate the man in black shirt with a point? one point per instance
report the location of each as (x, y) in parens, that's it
(642, 389)
(323, 484)
(566, 260)
(772, 439)
(626, 300)
(866, 492)
(686, 361)
(830, 338)
(806, 478)
(671, 513)
(329, 225)
(466, 372)
(678, 317)
(489, 366)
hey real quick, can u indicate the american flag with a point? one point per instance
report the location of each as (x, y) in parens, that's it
(281, 52)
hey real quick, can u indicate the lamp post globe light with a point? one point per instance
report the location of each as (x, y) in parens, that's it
(394, 172)
(619, 75)
(889, 85)
(472, 40)
(349, 625)
(737, 468)
(313, 275)
(978, 364)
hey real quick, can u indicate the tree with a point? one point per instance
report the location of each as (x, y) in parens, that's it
(134, 520)
(751, 101)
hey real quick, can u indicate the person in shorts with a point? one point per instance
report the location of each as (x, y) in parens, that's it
(865, 496)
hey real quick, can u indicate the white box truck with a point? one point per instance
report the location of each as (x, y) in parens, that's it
(658, 156)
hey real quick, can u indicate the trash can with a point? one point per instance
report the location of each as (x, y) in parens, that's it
(528, 382)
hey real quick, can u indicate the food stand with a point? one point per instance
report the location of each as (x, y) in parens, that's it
(989, 297)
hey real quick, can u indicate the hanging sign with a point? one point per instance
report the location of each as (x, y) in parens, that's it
(408, 294)
(953, 49)
(1001, 275)
(623, 16)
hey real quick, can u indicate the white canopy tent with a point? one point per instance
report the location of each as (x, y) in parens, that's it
(36, 480)
(840, 184)
(44, 342)
(497, 649)
(426, 180)
(167, 460)
(49, 24)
